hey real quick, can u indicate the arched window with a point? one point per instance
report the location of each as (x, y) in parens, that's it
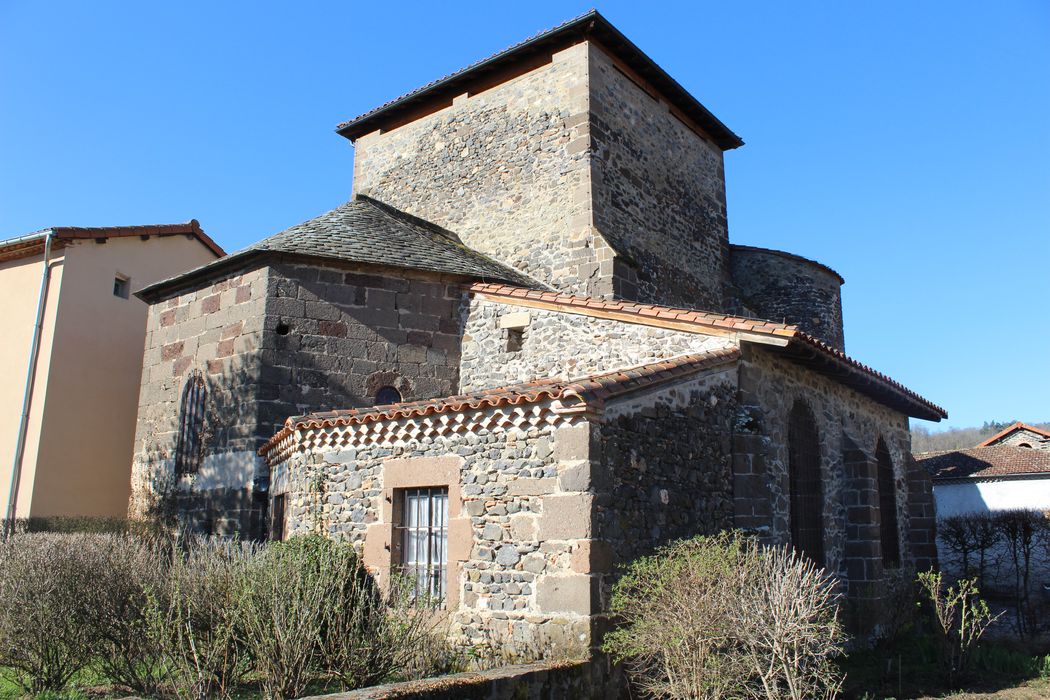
(191, 425)
(1025, 444)
(805, 484)
(891, 546)
(386, 395)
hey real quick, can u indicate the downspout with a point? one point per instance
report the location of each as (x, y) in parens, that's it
(34, 351)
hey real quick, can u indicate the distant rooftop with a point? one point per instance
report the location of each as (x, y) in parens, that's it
(590, 26)
(985, 463)
(33, 243)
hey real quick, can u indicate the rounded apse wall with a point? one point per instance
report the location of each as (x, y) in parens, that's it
(780, 286)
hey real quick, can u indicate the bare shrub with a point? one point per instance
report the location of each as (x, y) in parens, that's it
(131, 571)
(787, 623)
(1023, 532)
(962, 617)
(972, 537)
(196, 619)
(718, 617)
(370, 637)
(46, 586)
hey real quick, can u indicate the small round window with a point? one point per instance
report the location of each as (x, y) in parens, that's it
(387, 394)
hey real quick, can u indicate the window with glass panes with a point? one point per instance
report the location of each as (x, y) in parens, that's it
(423, 527)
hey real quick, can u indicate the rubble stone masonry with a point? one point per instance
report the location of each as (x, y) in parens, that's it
(281, 340)
(556, 344)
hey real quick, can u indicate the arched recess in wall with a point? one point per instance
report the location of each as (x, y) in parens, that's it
(888, 529)
(191, 425)
(805, 483)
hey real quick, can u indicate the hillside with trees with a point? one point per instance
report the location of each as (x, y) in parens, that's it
(925, 440)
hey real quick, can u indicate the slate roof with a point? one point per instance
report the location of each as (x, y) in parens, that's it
(784, 338)
(1012, 429)
(363, 230)
(985, 462)
(33, 243)
(593, 391)
(590, 25)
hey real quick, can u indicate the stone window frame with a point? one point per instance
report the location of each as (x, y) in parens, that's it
(399, 474)
(805, 474)
(889, 518)
(192, 406)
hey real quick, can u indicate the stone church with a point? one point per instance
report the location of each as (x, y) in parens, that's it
(524, 353)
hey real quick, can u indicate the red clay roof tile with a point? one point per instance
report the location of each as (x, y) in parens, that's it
(985, 462)
(592, 391)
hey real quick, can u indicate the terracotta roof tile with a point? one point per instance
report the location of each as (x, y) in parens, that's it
(592, 391)
(33, 243)
(797, 339)
(1013, 428)
(985, 462)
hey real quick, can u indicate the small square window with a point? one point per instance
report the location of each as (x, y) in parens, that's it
(121, 287)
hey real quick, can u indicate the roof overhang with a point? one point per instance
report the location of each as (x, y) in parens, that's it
(591, 26)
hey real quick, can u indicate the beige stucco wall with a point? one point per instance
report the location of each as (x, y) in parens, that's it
(19, 287)
(80, 462)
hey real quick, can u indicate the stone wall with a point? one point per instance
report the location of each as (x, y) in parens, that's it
(658, 191)
(334, 336)
(217, 330)
(519, 528)
(506, 169)
(849, 426)
(784, 287)
(665, 468)
(284, 339)
(1026, 437)
(595, 678)
(557, 344)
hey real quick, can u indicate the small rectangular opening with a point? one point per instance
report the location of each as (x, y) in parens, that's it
(515, 339)
(277, 518)
(121, 287)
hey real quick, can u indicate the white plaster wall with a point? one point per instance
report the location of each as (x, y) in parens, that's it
(977, 496)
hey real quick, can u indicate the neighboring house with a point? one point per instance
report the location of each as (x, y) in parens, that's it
(988, 478)
(1020, 435)
(71, 311)
(525, 353)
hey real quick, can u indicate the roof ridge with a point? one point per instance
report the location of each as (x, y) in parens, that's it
(675, 317)
(1017, 425)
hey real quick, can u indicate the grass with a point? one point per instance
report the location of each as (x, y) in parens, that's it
(910, 671)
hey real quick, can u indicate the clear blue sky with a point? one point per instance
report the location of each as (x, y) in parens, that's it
(905, 144)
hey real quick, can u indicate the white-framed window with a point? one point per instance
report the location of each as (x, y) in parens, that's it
(423, 528)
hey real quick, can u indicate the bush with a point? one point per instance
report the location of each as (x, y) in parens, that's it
(717, 617)
(195, 618)
(47, 591)
(961, 616)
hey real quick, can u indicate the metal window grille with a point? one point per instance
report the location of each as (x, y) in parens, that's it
(891, 546)
(805, 483)
(424, 541)
(191, 425)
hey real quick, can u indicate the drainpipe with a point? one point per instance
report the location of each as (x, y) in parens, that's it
(34, 351)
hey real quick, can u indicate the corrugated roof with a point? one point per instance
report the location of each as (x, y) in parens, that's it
(593, 391)
(797, 344)
(363, 231)
(985, 462)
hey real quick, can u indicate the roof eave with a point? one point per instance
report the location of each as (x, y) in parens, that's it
(591, 24)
